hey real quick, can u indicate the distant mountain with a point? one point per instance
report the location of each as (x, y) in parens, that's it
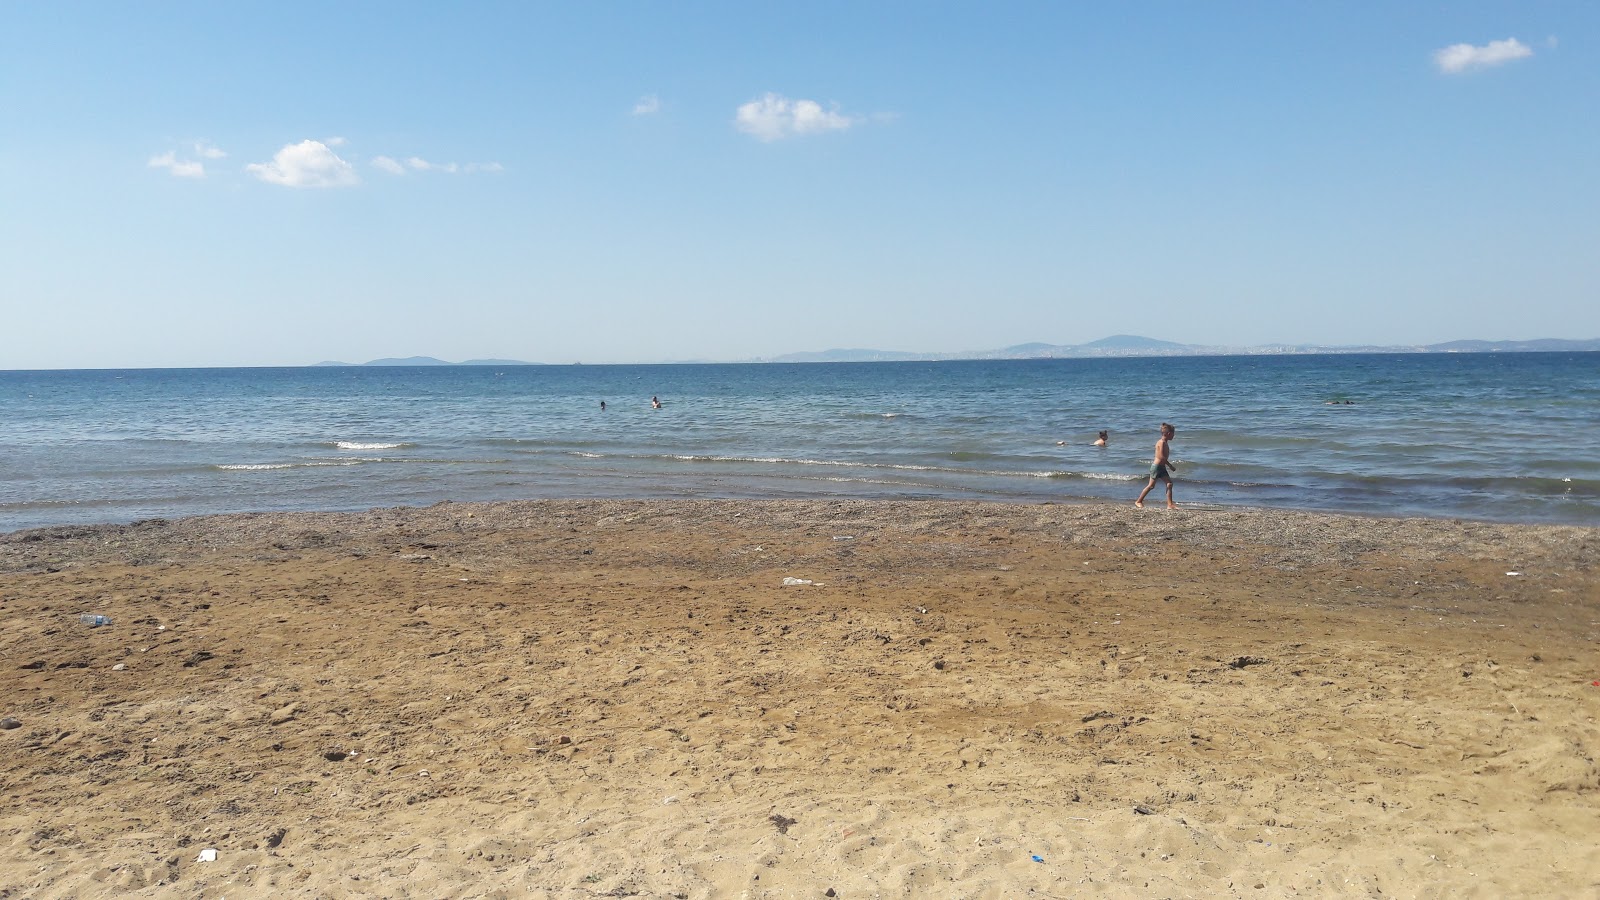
(1126, 342)
(408, 361)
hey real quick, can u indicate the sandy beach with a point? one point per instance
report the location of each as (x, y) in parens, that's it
(691, 699)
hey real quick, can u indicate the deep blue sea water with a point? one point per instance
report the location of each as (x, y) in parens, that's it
(1507, 437)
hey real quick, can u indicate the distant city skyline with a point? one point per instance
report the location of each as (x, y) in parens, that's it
(201, 184)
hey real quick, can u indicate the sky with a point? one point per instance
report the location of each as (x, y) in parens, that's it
(246, 184)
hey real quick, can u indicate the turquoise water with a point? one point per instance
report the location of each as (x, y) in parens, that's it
(1508, 437)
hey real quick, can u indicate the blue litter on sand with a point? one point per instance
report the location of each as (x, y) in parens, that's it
(1038, 859)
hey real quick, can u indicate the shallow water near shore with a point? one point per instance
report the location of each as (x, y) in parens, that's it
(1502, 437)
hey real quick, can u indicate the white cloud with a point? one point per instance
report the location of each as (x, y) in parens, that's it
(208, 150)
(180, 168)
(422, 165)
(648, 105)
(491, 167)
(775, 116)
(336, 142)
(306, 164)
(388, 165)
(1461, 57)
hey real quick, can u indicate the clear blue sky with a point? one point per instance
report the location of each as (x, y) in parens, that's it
(276, 184)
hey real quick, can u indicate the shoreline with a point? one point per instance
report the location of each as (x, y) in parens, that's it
(1268, 526)
(595, 697)
(1085, 501)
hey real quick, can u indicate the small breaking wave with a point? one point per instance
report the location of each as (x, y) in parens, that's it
(876, 416)
(374, 445)
(255, 467)
(908, 467)
(262, 467)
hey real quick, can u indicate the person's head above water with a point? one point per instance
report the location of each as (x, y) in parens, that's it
(1168, 430)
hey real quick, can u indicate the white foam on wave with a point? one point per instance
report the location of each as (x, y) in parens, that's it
(587, 455)
(256, 467)
(844, 464)
(362, 445)
(261, 467)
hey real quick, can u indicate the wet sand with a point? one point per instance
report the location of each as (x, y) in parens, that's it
(605, 699)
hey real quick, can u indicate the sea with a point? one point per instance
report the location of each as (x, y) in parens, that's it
(1506, 437)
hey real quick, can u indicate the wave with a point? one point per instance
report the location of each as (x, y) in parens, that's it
(909, 467)
(262, 467)
(254, 467)
(873, 416)
(361, 445)
(784, 460)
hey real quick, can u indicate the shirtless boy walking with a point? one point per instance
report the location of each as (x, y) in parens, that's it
(1158, 469)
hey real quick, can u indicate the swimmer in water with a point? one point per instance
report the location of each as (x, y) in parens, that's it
(1101, 440)
(655, 402)
(602, 406)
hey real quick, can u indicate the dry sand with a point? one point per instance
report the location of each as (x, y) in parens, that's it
(614, 699)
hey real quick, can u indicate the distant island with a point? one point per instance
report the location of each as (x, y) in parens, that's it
(1118, 345)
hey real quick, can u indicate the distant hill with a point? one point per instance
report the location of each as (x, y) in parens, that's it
(407, 361)
(1132, 342)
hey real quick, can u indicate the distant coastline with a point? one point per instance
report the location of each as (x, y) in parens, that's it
(1119, 345)
(427, 361)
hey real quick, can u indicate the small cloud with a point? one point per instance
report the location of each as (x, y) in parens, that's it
(336, 142)
(1551, 42)
(388, 165)
(422, 165)
(1461, 57)
(208, 150)
(306, 164)
(180, 168)
(648, 105)
(775, 116)
(493, 168)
